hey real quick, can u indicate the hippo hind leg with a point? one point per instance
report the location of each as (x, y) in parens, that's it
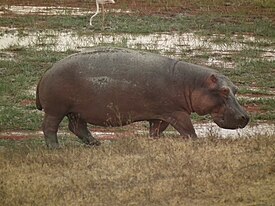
(79, 127)
(157, 127)
(50, 127)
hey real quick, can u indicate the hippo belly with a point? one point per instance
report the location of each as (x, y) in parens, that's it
(115, 87)
(106, 101)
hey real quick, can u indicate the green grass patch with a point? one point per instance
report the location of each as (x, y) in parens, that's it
(126, 23)
(259, 91)
(18, 81)
(265, 108)
(257, 73)
(265, 104)
(19, 118)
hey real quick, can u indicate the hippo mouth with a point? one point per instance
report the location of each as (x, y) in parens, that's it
(218, 119)
(228, 123)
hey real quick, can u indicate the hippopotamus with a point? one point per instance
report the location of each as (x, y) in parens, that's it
(113, 87)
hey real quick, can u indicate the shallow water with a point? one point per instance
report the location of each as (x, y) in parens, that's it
(50, 10)
(249, 131)
(211, 129)
(70, 40)
(176, 45)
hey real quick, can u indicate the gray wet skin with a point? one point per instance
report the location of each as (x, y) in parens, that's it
(115, 87)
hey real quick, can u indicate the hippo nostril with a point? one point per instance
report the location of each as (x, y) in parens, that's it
(244, 118)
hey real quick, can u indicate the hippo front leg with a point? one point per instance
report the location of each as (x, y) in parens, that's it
(182, 123)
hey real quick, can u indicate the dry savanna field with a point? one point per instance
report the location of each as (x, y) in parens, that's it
(140, 171)
(236, 37)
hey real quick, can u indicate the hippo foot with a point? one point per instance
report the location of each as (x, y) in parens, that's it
(156, 137)
(88, 139)
(93, 142)
(189, 136)
(51, 141)
(53, 146)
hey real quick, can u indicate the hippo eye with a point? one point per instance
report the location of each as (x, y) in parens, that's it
(225, 91)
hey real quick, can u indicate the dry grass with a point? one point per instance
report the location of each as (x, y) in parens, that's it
(139, 171)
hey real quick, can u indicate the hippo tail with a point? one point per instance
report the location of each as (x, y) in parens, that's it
(38, 104)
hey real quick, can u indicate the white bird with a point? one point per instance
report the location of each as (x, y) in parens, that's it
(102, 2)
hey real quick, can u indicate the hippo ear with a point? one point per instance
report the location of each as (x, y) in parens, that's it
(213, 78)
(212, 81)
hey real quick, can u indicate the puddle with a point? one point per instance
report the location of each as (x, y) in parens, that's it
(211, 129)
(175, 45)
(256, 94)
(53, 10)
(207, 129)
(256, 98)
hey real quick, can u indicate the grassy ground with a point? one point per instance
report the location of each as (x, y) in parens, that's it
(139, 171)
(205, 23)
(136, 170)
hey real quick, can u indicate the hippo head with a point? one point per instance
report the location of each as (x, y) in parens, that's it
(217, 98)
